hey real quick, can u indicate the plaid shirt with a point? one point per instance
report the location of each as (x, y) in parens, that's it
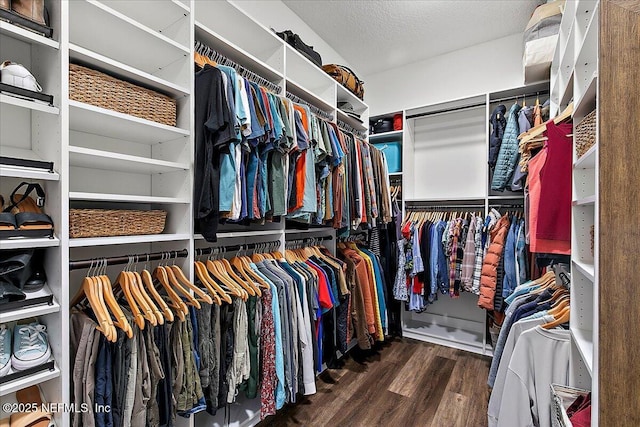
(469, 257)
(477, 269)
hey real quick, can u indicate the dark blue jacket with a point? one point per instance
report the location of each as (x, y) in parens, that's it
(498, 123)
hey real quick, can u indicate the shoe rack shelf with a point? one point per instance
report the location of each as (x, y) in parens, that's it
(10, 30)
(25, 103)
(27, 243)
(47, 304)
(29, 380)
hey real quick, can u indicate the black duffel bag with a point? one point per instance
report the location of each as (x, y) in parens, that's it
(296, 42)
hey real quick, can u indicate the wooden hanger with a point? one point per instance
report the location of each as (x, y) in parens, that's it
(89, 290)
(239, 265)
(219, 274)
(136, 290)
(123, 283)
(147, 280)
(111, 302)
(245, 260)
(562, 318)
(210, 284)
(176, 302)
(190, 300)
(154, 308)
(179, 275)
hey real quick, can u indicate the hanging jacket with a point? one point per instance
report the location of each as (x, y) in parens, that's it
(498, 123)
(489, 277)
(508, 151)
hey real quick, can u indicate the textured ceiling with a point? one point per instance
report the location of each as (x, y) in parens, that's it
(376, 35)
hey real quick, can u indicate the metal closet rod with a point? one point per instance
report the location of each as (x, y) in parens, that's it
(313, 108)
(205, 50)
(436, 207)
(446, 110)
(525, 95)
(235, 248)
(308, 240)
(155, 256)
(348, 128)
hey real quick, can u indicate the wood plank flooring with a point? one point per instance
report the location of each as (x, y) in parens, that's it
(406, 383)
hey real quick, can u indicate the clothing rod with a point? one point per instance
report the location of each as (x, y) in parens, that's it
(526, 95)
(310, 239)
(86, 263)
(446, 110)
(234, 248)
(421, 208)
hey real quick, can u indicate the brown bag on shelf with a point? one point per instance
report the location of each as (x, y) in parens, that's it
(346, 78)
(30, 9)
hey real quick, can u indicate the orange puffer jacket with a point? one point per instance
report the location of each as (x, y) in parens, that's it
(490, 264)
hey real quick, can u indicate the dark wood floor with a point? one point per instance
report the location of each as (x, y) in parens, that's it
(406, 383)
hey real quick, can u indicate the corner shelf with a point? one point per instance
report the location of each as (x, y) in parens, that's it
(8, 29)
(126, 240)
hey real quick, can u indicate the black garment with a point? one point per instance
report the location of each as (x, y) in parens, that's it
(329, 355)
(165, 390)
(227, 340)
(254, 333)
(121, 357)
(389, 262)
(214, 130)
(342, 316)
(498, 124)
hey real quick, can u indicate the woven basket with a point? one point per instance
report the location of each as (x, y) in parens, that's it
(585, 134)
(107, 223)
(99, 89)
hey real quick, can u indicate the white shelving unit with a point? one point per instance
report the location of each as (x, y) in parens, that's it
(580, 59)
(34, 131)
(106, 159)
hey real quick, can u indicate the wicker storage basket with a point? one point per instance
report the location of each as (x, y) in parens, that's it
(99, 89)
(585, 134)
(107, 223)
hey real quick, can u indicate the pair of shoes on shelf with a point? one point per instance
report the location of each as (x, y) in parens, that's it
(21, 272)
(32, 397)
(30, 347)
(17, 75)
(24, 214)
(32, 10)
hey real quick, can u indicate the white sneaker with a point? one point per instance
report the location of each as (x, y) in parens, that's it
(17, 75)
(30, 346)
(5, 350)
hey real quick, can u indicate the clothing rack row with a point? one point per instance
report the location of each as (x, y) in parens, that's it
(306, 241)
(348, 128)
(441, 207)
(315, 110)
(155, 256)
(219, 58)
(261, 246)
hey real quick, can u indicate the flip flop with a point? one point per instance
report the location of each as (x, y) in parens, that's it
(30, 419)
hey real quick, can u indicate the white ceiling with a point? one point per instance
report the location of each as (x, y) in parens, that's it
(376, 35)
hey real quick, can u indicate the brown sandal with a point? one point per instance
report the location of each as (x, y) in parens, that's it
(30, 419)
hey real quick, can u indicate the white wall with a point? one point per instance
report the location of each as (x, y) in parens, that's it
(485, 67)
(275, 14)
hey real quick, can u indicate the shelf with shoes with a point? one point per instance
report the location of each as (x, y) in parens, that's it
(25, 355)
